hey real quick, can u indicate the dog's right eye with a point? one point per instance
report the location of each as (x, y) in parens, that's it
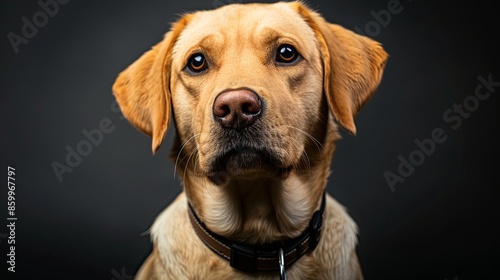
(197, 63)
(287, 54)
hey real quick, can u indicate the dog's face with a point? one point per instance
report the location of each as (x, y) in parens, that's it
(250, 87)
(247, 90)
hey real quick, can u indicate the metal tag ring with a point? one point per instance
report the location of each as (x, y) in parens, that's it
(281, 258)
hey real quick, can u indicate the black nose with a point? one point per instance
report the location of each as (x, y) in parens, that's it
(237, 109)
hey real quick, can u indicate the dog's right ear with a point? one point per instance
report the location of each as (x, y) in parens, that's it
(143, 91)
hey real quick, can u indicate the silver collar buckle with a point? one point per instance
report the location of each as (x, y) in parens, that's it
(282, 264)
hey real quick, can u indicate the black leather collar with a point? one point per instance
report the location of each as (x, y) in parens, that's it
(261, 257)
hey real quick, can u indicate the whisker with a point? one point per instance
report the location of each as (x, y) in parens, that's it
(304, 160)
(187, 163)
(315, 141)
(304, 156)
(180, 152)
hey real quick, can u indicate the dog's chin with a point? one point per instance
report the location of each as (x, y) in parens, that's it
(247, 164)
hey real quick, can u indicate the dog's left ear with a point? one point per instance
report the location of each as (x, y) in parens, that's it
(352, 65)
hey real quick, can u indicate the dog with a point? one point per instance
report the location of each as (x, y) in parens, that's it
(256, 93)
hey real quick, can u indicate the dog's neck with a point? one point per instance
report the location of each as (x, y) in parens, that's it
(257, 211)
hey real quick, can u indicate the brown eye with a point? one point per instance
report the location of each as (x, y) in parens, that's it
(286, 54)
(197, 63)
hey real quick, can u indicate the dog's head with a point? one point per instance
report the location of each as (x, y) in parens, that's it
(250, 87)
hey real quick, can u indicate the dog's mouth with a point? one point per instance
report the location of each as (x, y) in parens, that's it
(246, 163)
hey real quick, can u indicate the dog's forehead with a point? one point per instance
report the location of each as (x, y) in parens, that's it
(244, 19)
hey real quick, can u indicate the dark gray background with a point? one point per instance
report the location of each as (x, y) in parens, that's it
(441, 223)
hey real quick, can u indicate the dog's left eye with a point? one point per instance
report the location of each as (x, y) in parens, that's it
(287, 54)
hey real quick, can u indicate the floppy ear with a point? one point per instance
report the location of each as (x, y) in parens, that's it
(352, 65)
(142, 90)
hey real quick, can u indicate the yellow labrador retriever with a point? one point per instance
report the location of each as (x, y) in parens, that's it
(256, 92)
